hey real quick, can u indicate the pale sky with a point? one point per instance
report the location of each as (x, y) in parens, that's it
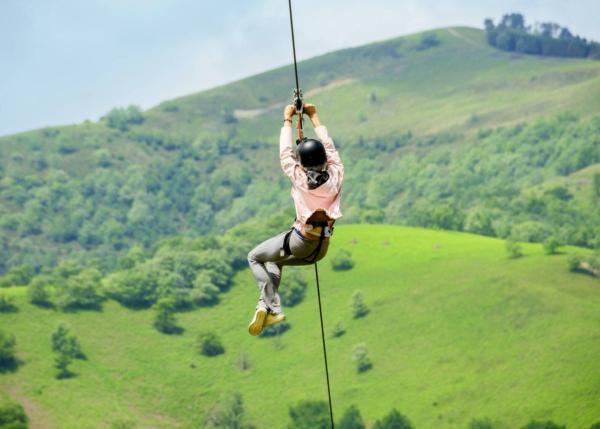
(64, 61)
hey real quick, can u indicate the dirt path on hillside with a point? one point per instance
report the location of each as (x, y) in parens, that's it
(38, 419)
(252, 113)
(462, 37)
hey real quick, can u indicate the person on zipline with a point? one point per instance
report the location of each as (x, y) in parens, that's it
(316, 172)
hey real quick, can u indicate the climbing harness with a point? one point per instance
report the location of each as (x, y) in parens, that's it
(324, 224)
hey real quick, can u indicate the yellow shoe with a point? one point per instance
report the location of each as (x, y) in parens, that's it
(273, 319)
(257, 324)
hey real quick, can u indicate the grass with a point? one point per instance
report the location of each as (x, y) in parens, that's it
(457, 330)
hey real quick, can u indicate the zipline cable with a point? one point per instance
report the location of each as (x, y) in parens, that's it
(297, 93)
(324, 347)
(299, 110)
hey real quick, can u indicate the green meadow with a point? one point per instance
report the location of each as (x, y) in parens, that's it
(456, 331)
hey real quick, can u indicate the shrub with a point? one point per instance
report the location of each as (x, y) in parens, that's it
(543, 425)
(514, 249)
(551, 245)
(121, 118)
(228, 414)
(342, 260)
(37, 292)
(595, 426)
(351, 419)
(361, 355)
(310, 415)
(209, 344)
(359, 308)
(8, 359)
(80, 291)
(164, 317)
(7, 304)
(338, 329)
(243, 362)
(428, 40)
(575, 263)
(394, 420)
(12, 416)
(484, 423)
(62, 339)
(273, 330)
(19, 275)
(292, 293)
(204, 291)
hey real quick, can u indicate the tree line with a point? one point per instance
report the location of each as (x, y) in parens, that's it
(546, 38)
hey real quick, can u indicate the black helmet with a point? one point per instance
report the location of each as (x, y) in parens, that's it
(311, 152)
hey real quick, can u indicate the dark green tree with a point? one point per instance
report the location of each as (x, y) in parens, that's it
(359, 308)
(310, 415)
(80, 291)
(351, 419)
(484, 423)
(394, 420)
(12, 416)
(293, 291)
(63, 339)
(209, 344)
(37, 292)
(514, 248)
(8, 358)
(164, 316)
(342, 260)
(360, 354)
(7, 304)
(543, 425)
(229, 414)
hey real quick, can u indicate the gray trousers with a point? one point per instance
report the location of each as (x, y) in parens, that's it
(267, 263)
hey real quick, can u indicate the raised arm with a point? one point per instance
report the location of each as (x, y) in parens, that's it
(287, 155)
(334, 162)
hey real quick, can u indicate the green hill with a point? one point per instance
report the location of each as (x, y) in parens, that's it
(456, 331)
(436, 129)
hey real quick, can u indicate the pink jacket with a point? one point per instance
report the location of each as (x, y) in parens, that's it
(326, 196)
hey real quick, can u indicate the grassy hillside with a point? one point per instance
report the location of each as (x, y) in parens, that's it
(406, 114)
(456, 331)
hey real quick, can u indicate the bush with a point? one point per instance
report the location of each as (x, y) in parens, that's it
(19, 275)
(595, 426)
(164, 318)
(12, 416)
(428, 40)
(514, 249)
(351, 419)
(575, 263)
(80, 292)
(204, 291)
(342, 260)
(359, 308)
(551, 245)
(292, 293)
(62, 339)
(484, 423)
(394, 420)
(121, 118)
(37, 293)
(209, 344)
(8, 359)
(228, 414)
(7, 304)
(273, 330)
(338, 329)
(360, 355)
(310, 415)
(543, 425)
